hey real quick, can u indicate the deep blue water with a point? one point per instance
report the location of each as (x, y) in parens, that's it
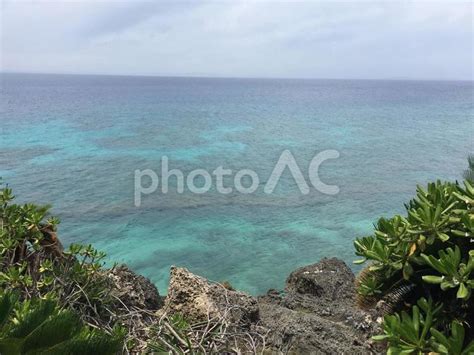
(75, 142)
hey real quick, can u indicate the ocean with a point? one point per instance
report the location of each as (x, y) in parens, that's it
(75, 142)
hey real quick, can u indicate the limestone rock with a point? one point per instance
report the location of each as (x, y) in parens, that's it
(317, 313)
(197, 298)
(135, 290)
(329, 278)
(300, 332)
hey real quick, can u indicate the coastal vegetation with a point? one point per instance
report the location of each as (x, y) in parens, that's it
(421, 272)
(419, 277)
(40, 326)
(51, 291)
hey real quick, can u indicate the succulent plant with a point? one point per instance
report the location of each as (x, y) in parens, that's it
(427, 253)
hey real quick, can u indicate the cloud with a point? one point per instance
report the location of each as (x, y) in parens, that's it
(383, 39)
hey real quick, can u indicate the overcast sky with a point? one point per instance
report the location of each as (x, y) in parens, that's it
(308, 39)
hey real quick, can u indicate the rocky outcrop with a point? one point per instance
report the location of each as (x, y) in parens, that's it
(329, 279)
(135, 291)
(300, 332)
(314, 314)
(325, 289)
(136, 299)
(198, 299)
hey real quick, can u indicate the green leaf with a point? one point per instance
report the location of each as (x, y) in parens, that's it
(433, 279)
(6, 306)
(469, 349)
(462, 291)
(443, 237)
(407, 271)
(380, 337)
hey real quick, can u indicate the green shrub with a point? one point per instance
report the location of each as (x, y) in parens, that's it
(34, 264)
(417, 333)
(39, 326)
(426, 255)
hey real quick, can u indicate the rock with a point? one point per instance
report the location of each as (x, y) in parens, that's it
(272, 296)
(329, 278)
(135, 290)
(306, 333)
(196, 299)
(136, 302)
(325, 288)
(317, 312)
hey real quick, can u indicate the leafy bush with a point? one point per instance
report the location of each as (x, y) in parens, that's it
(33, 262)
(417, 332)
(38, 326)
(427, 255)
(34, 265)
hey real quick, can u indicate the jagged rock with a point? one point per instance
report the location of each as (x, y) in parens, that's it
(306, 333)
(329, 278)
(135, 290)
(325, 288)
(317, 313)
(196, 298)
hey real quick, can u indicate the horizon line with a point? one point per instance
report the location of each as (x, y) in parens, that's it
(198, 76)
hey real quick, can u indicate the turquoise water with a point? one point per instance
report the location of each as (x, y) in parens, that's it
(75, 142)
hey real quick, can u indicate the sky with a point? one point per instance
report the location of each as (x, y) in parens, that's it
(299, 39)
